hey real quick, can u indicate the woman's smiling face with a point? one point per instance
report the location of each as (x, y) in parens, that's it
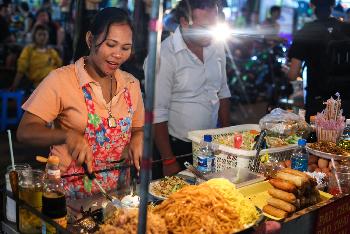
(109, 52)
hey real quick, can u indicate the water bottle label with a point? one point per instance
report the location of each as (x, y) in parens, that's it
(54, 173)
(205, 164)
(299, 164)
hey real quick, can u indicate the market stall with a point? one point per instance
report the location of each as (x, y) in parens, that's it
(250, 185)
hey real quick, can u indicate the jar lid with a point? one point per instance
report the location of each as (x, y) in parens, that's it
(53, 160)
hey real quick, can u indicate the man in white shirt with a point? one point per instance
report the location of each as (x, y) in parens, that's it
(191, 90)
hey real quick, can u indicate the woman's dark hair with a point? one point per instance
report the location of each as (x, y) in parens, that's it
(105, 18)
(185, 8)
(37, 28)
(323, 8)
(275, 9)
(24, 6)
(42, 10)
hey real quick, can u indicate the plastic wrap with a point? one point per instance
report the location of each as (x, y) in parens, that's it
(281, 122)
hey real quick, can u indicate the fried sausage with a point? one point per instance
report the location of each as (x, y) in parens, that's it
(296, 173)
(275, 212)
(306, 177)
(283, 185)
(297, 180)
(280, 204)
(280, 194)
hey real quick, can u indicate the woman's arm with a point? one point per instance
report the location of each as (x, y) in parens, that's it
(136, 146)
(32, 130)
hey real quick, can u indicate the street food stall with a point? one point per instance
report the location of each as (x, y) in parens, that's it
(250, 186)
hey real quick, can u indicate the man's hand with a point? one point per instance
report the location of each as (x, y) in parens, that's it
(79, 149)
(171, 169)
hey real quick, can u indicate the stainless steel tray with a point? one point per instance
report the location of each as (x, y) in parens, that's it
(239, 176)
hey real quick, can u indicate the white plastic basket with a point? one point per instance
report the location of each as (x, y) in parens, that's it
(230, 157)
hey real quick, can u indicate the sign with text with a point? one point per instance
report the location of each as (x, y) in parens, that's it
(334, 217)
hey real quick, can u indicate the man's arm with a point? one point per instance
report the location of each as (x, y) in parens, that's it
(294, 70)
(224, 112)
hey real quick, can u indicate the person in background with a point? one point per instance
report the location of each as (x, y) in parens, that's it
(96, 107)
(28, 17)
(37, 60)
(310, 45)
(347, 16)
(191, 90)
(5, 35)
(270, 24)
(56, 32)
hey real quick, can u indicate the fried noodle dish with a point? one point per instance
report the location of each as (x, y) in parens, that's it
(198, 209)
(329, 147)
(246, 209)
(125, 222)
(168, 185)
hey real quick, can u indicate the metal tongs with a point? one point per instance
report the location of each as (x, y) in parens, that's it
(258, 148)
(134, 178)
(92, 176)
(194, 170)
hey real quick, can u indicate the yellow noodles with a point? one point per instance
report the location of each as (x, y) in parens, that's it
(247, 211)
(198, 209)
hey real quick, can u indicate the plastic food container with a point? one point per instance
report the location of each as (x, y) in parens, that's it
(230, 157)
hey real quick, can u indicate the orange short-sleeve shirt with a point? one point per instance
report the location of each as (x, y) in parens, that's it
(60, 98)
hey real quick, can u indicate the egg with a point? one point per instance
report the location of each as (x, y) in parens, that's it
(318, 170)
(325, 170)
(312, 159)
(282, 164)
(322, 163)
(312, 167)
(330, 166)
(288, 163)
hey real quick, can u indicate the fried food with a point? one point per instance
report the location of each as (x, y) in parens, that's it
(125, 222)
(168, 185)
(329, 147)
(275, 211)
(198, 209)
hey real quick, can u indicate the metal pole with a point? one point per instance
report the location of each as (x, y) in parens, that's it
(146, 165)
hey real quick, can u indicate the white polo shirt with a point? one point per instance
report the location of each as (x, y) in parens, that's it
(188, 91)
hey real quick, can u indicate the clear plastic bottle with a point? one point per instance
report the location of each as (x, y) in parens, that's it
(300, 156)
(206, 159)
(344, 140)
(53, 199)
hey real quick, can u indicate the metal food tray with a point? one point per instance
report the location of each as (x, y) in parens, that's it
(326, 155)
(239, 176)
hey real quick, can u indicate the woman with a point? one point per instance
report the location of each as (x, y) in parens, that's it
(37, 60)
(97, 108)
(56, 32)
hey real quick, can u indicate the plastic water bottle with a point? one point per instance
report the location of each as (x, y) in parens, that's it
(300, 157)
(344, 140)
(206, 162)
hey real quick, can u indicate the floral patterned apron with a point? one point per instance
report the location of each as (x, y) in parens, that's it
(107, 145)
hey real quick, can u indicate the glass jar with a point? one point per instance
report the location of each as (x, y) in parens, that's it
(10, 203)
(30, 191)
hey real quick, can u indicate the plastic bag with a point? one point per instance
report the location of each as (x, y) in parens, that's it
(281, 122)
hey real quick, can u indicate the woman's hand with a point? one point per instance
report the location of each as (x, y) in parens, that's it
(79, 149)
(136, 147)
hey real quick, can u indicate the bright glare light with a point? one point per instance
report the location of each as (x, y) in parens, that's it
(220, 32)
(254, 58)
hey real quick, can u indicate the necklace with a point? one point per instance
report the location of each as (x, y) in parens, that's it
(112, 122)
